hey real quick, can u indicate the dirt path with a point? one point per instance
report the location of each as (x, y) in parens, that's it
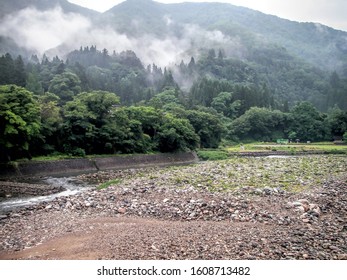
(136, 238)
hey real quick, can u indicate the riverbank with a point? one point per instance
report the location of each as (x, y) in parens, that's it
(244, 208)
(72, 166)
(10, 189)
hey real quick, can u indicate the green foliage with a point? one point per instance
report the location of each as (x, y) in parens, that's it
(107, 184)
(19, 121)
(204, 91)
(77, 152)
(307, 123)
(66, 86)
(12, 71)
(176, 135)
(207, 126)
(165, 98)
(336, 121)
(212, 154)
(219, 97)
(84, 118)
(259, 124)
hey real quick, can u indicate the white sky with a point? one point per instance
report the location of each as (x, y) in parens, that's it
(328, 12)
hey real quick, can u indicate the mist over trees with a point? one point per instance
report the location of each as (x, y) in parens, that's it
(94, 102)
(151, 77)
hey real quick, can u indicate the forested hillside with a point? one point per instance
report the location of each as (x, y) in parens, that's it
(167, 78)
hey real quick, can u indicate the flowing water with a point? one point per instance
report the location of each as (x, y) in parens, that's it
(71, 185)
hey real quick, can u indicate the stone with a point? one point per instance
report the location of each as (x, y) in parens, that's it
(314, 208)
(121, 210)
(300, 209)
(342, 256)
(267, 190)
(334, 248)
(304, 201)
(297, 203)
(258, 191)
(192, 215)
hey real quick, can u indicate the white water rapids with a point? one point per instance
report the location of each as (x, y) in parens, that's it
(72, 186)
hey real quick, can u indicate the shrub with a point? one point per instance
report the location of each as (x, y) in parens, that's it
(212, 154)
(78, 152)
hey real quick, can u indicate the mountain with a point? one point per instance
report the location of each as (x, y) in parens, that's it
(18, 18)
(295, 61)
(13, 6)
(317, 44)
(248, 30)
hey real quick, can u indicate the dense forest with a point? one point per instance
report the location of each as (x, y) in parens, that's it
(96, 102)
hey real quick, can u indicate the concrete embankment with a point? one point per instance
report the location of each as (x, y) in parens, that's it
(70, 166)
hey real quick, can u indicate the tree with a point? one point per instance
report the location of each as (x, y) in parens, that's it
(78, 128)
(51, 122)
(132, 129)
(19, 121)
(337, 121)
(6, 69)
(84, 117)
(259, 124)
(207, 126)
(204, 91)
(176, 135)
(19, 77)
(164, 98)
(225, 103)
(33, 83)
(66, 86)
(307, 123)
(100, 103)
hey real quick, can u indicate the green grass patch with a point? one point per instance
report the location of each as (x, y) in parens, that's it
(213, 154)
(53, 157)
(105, 185)
(59, 156)
(291, 148)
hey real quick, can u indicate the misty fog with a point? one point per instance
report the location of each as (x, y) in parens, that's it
(54, 32)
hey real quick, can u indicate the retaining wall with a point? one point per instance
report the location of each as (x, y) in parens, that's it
(70, 166)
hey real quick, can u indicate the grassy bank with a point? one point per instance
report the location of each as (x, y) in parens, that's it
(291, 174)
(324, 147)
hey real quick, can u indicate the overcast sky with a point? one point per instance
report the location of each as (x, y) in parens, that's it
(328, 12)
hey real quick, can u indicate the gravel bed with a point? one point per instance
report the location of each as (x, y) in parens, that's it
(149, 215)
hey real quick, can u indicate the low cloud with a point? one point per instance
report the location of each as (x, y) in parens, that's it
(57, 33)
(42, 30)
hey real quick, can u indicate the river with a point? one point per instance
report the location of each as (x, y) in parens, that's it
(72, 186)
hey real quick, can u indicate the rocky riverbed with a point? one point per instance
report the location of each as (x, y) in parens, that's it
(249, 208)
(9, 189)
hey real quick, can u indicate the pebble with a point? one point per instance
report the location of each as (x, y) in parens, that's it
(298, 225)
